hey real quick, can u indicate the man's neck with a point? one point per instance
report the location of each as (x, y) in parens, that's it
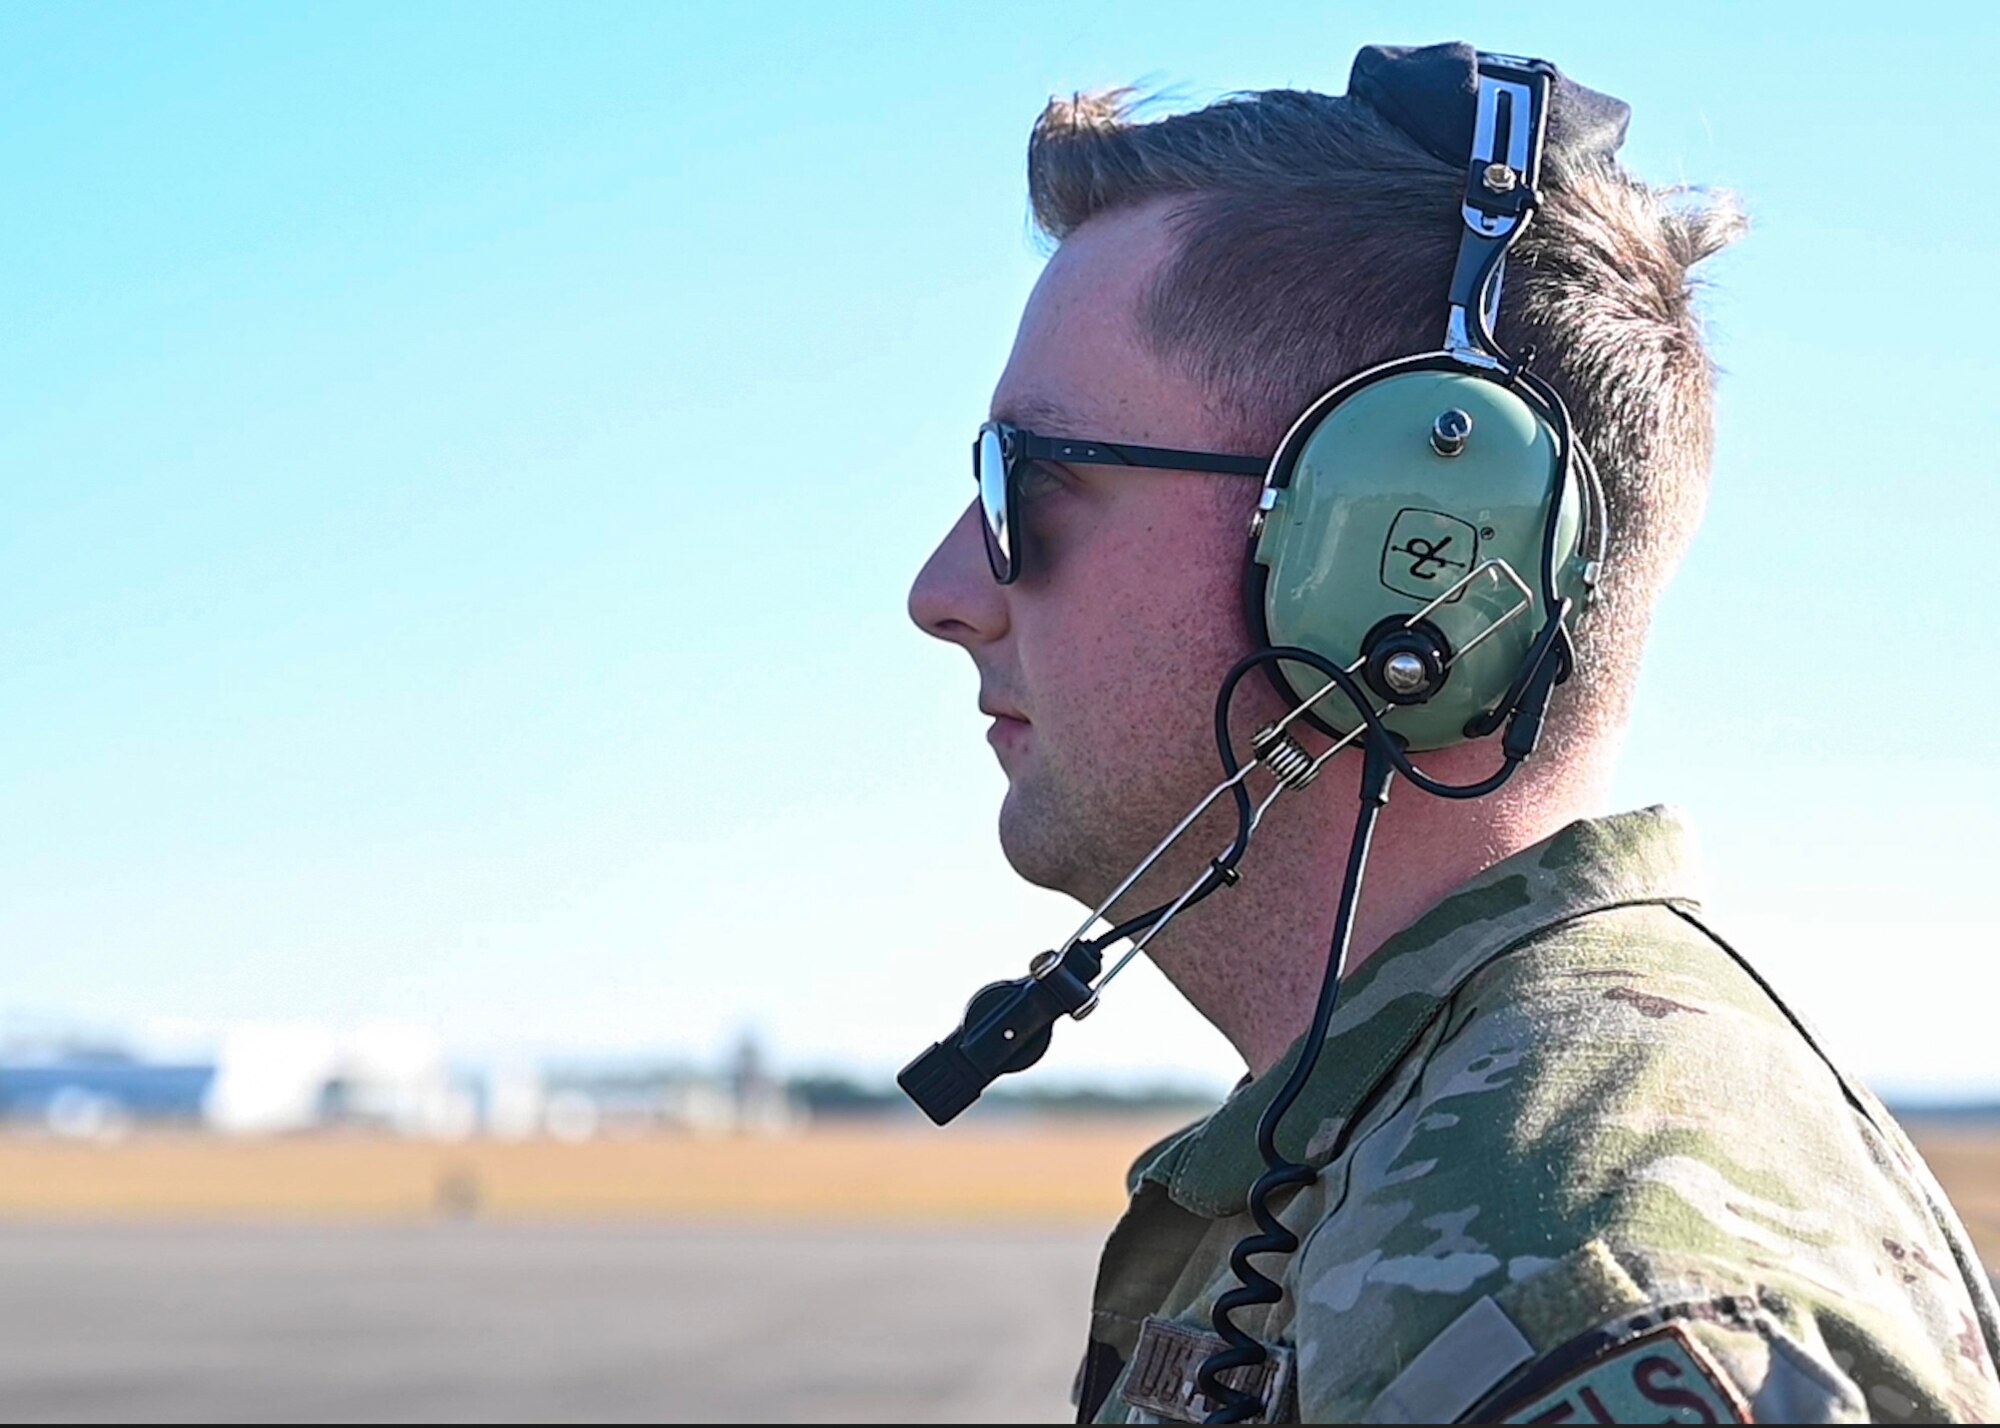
(1252, 958)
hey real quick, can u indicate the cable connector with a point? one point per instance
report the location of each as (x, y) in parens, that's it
(1005, 1028)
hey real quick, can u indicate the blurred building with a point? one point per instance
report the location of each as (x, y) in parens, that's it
(279, 1078)
(383, 1076)
(100, 1095)
(632, 1100)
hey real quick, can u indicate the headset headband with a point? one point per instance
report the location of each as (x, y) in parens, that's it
(1502, 186)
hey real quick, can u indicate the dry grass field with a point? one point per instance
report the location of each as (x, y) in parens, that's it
(1031, 1173)
(1023, 1173)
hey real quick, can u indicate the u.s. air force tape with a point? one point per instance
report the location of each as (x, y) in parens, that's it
(1169, 1355)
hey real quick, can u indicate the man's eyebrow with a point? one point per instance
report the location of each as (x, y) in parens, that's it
(1038, 414)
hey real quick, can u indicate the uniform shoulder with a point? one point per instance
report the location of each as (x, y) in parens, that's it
(1154, 1154)
(1616, 1133)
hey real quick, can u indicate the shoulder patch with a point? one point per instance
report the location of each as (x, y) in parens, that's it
(1169, 1355)
(1661, 1377)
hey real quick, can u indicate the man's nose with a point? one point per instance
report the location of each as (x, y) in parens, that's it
(955, 596)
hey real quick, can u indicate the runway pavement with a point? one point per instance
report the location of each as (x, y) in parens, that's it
(495, 1322)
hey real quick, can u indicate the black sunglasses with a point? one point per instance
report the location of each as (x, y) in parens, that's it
(1002, 452)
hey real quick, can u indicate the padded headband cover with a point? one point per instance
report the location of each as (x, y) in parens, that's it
(1431, 93)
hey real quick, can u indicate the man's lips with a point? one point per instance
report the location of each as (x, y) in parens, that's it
(1007, 727)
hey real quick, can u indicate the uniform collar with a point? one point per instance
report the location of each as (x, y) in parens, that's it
(1593, 864)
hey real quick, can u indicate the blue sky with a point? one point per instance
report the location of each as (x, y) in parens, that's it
(460, 469)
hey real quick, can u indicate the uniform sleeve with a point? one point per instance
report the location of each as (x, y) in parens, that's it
(1622, 1171)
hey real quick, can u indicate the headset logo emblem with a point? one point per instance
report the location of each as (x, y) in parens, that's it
(1427, 551)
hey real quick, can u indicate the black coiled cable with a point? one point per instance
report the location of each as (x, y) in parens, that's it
(1383, 757)
(1254, 1287)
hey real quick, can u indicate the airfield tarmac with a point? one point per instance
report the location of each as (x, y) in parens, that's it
(847, 1275)
(509, 1322)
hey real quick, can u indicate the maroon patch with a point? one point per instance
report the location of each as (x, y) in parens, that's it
(1646, 1004)
(1661, 1377)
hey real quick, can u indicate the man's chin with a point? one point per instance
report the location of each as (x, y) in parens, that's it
(1031, 844)
(1052, 843)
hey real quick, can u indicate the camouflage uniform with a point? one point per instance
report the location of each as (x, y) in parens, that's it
(1576, 1163)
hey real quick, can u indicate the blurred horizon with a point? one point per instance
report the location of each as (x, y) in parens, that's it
(460, 468)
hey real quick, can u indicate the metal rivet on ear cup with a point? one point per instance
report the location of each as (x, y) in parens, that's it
(1404, 673)
(1405, 661)
(1449, 431)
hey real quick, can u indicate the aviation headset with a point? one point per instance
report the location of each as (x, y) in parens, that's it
(1428, 533)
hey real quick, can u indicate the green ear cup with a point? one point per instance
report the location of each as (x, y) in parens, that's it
(1389, 492)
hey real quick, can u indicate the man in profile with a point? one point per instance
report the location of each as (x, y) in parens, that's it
(1576, 1161)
